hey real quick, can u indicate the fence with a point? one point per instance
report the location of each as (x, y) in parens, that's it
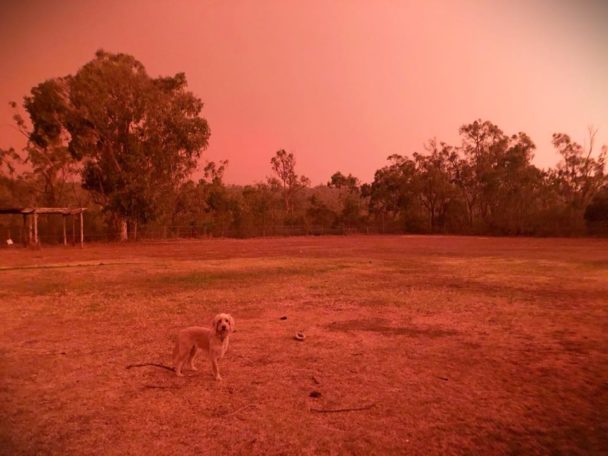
(51, 231)
(49, 234)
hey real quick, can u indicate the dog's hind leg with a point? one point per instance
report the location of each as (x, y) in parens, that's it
(179, 360)
(192, 355)
(178, 367)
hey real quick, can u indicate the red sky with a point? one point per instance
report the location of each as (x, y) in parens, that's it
(342, 84)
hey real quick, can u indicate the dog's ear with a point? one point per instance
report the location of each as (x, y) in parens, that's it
(214, 323)
(231, 320)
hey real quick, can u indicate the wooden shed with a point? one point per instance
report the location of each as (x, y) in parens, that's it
(30, 222)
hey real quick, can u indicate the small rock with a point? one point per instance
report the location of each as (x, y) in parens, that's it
(315, 394)
(283, 318)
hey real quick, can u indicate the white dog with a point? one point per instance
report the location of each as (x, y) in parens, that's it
(213, 340)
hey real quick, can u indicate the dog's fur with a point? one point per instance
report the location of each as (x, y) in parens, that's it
(213, 340)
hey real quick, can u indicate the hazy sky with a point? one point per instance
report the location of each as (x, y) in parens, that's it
(342, 84)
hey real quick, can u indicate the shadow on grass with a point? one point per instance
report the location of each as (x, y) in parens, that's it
(382, 326)
(236, 278)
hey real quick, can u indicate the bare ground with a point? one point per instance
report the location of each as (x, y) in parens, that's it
(450, 345)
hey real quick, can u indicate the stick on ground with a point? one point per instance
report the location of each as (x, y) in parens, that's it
(350, 409)
(151, 364)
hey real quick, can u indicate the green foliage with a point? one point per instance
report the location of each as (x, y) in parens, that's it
(135, 140)
(579, 175)
(139, 137)
(597, 211)
(8, 158)
(596, 214)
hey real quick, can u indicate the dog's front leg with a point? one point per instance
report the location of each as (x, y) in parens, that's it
(216, 369)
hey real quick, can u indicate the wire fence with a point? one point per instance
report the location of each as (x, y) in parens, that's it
(53, 233)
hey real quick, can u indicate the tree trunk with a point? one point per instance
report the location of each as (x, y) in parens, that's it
(124, 234)
(65, 234)
(36, 239)
(81, 229)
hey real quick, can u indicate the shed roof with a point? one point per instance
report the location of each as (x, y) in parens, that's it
(43, 210)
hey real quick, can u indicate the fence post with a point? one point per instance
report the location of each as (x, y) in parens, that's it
(81, 229)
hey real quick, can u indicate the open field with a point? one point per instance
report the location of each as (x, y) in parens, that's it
(460, 345)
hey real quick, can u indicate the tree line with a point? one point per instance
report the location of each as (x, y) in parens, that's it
(125, 145)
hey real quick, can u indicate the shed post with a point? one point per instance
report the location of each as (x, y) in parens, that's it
(36, 240)
(65, 236)
(30, 229)
(24, 231)
(81, 229)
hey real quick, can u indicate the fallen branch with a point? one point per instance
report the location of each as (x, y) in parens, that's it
(151, 364)
(351, 409)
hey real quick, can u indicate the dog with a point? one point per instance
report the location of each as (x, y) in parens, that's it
(213, 340)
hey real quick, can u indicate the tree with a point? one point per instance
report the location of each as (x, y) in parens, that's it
(8, 157)
(481, 142)
(517, 187)
(350, 197)
(495, 178)
(579, 173)
(393, 194)
(52, 166)
(283, 164)
(320, 215)
(218, 203)
(137, 137)
(339, 180)
(11, 189)
(435, 181)
(596, 214)
(258, 205)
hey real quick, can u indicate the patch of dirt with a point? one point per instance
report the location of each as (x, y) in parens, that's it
(384, 327)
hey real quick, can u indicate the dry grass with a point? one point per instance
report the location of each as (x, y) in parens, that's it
(462, 345)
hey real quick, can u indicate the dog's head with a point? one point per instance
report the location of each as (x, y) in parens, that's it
(223, 324)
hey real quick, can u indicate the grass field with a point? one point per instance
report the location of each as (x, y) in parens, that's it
(450, 345)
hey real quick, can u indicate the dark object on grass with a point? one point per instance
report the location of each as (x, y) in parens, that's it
(315, 394)
(351, 409)
(443, 378)
(284, 317)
